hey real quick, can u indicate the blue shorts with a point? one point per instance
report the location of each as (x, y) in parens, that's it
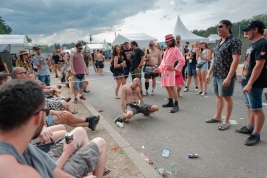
(221, 90)
(205, 67)
(126, 72)
(191, 69)
(50, 120)
(254, 98)
(78, 83)
(45, 79)
(97, 63)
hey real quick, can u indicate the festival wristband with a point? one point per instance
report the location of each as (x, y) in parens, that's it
(139, 66)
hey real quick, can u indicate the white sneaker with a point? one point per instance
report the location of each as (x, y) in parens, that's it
(186, 89)
(204, 94)
(196, 90)
(146, 93)
(180, 95)
(199, 93)
(152, 92)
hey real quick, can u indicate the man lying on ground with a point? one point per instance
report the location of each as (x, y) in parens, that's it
(130, 94)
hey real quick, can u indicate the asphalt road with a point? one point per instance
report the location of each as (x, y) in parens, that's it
(221, 153)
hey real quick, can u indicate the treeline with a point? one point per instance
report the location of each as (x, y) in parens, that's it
(4, 29)
(236, 28)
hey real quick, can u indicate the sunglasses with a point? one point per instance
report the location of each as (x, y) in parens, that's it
(151, 45)
(23, 73)
(45, 110)
(80, 48)
(219, 26)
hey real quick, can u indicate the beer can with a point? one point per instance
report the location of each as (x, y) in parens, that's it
(192, 155)
(68, 137)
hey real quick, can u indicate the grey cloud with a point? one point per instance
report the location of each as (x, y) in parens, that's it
(204, 1)
(47, 16)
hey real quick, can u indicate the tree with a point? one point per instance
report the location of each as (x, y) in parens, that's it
(82, 42)
(28, 39)
(4, 29)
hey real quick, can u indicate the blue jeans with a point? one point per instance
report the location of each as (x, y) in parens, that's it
(191, 69)
(254, 98)
(221, 90)
(78, 83)
(45, 79)
(50, 120)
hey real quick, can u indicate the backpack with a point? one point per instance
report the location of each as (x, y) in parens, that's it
(111, 67)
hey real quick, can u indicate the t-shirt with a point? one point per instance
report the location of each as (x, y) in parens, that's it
(136, 58)
(256, 51)
(223, 56)
(45, 68)
(33, 157)
(56, 59)
(194, 57)
(124, 54)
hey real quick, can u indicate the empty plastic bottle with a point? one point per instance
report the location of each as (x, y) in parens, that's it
(166, 152)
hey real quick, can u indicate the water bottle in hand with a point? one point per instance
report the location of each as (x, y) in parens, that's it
(166, 152)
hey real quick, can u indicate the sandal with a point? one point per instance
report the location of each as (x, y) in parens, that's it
(212, 120)
(106, 172)
(116, 97)
(223, 127)
(74, 112)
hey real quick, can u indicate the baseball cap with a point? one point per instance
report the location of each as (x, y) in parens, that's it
(36, 47)
(254, 24)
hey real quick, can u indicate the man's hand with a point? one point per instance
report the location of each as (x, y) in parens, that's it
(45, 135)
(156, 70)
(208, 79)
(68, 149)
(43, 59)
(247, 88)
(87, 73)
(59, 114)
(171, 68)
(226, 82)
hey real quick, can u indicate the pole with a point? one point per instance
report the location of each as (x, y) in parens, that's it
(115, 34)
(239, 31)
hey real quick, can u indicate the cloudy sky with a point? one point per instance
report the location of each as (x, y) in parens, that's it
(65, 21)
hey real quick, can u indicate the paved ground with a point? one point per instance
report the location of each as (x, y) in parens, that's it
(221, 153)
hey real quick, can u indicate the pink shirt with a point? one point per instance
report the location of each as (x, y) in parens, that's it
(78, 63)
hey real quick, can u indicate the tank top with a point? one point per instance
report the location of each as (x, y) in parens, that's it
(194, 57)
(2, 68)
(78, 63)
(120, 60)
(200, 60)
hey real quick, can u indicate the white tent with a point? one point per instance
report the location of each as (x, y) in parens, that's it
(17, 42)
(141, 39)
(185, 34)
(106, 46)
(91, 47)
(213, 37)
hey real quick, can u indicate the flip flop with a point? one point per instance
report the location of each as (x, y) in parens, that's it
(212, 120)
(106, 172)
(74, 112)
(116, 97)
(223, 127)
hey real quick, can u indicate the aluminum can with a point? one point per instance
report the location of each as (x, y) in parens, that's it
(68, 137)
(192, 155)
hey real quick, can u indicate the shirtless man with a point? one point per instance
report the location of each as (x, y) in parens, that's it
(153, 58)
(130, 95)
(99, 62)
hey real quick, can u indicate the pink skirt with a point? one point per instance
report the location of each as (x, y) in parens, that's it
(179, 80)
(168, 79)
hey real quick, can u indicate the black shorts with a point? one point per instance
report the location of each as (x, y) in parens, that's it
(151, 75)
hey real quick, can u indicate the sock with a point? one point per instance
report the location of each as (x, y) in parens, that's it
(147, 85)
(153, 89)
(185, 87)
(256, 134)
(196, 87)
(176, 103)
(80, 95)
(250, 127)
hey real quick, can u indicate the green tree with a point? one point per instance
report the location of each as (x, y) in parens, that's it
(82, 42)
(28, 39)
(4, 29)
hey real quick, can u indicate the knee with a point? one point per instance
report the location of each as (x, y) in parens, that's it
(79, 131)
(61, 127)
(101, 143)
(154, 108)
(64, 103)
(129, 115)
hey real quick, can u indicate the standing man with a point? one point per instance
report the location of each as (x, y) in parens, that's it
(126, 53)
(56, 59)
(78, 69)
(254, 79)
(137, 60)
(93, 59)
(226, 60)
(153, 58)
(42, 62)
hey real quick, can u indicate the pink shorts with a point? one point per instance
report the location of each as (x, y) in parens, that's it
(179, 80)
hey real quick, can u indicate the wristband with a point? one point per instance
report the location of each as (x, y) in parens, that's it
(139, 66)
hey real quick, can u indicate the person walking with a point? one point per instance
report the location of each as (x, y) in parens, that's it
(254, 79)
(226, 59)
(78, 69)
(168, 72)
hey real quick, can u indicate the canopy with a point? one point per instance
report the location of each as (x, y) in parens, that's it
(213, 37)
(91, 47)
(185, 34)
(105, 45)
(5, 48)
(17, 42)
(141, 39)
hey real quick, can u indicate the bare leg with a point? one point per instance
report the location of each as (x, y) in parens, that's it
(81, 91)
(102, 147)
(128, 115)
(169, 92)
(119, 82)
(204, 74)
(70, 120)
(196, 81)
(251, 119)
(228, 109)
(153, 108)
(219, 107)
(123, 80)
(259, 120)
(174, 93)
(154, 83)
(81, 136)
(76, 93)
(188, 82)
(200, 80)
(179, 88)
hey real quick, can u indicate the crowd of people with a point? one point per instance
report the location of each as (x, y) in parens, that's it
(39, 110)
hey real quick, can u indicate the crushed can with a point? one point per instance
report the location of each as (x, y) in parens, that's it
(192, 155)
(161, 172)
(68, 137)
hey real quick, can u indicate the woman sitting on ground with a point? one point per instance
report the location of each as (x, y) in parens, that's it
(23, 61)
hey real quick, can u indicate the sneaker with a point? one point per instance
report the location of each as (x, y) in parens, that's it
(93, 121)
(199, 93)
(174, 109)
(186, 89)
(75, 100)
(180, 95)
(252, 139)
(204, 93)
(146, 93)
(82, 97)
(152, 92)
(196, 90)
(119, 119)
(243, 130)
(56, 77)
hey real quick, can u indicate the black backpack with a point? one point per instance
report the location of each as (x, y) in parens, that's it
(111, 67)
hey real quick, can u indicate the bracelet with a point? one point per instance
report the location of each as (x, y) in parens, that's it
(139, 66)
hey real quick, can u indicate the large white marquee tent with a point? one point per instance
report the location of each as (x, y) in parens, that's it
(213, 38)
(17, 42)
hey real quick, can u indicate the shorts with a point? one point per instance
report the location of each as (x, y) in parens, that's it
(63, 66)
(101, 64)
(97, 63)
(126, 72)
(44, 79)
(50, 120)
(78, 83)
(136, 109)
(81, 162)
(191, 69)
(205, 67)
(254, 98)
(55, 105)
(118, 72)
(136, 73)
(221, 90)
(149, 72)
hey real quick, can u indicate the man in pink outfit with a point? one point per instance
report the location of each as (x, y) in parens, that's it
(168, 71)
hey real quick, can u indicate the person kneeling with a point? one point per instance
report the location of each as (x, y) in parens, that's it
(130, 94)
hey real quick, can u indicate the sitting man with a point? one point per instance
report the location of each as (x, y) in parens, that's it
(25, 99)
(4, 77)
(130, 94)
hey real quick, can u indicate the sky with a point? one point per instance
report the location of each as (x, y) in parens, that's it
(66, 21)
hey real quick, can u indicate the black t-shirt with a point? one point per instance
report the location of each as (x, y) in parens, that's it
(136, 57)
(124, 54)
(256, 51)
(194, 57)
(56, 59)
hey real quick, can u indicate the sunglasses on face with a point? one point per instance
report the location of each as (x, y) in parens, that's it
(45, 110)
(219, 26)
(80, 48)
(22, 73)
(151, 45)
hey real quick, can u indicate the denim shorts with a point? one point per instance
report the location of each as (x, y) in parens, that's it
(221, 90)
(254, 98)
(205, 67)
(50, 120)
(78, 83)
(191, 69)
(44, 79)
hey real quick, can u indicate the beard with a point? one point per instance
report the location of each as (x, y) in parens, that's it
(38, 130)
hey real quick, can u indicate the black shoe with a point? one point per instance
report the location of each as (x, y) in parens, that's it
(59, 86)
(93, 121)
(253, 139)
(119, 119)
(174, 109)
(169, 104)
(243, 130)
(265, 94)
(56, 76)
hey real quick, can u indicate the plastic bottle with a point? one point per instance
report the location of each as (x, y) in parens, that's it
(166, 152)
(173, 173)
